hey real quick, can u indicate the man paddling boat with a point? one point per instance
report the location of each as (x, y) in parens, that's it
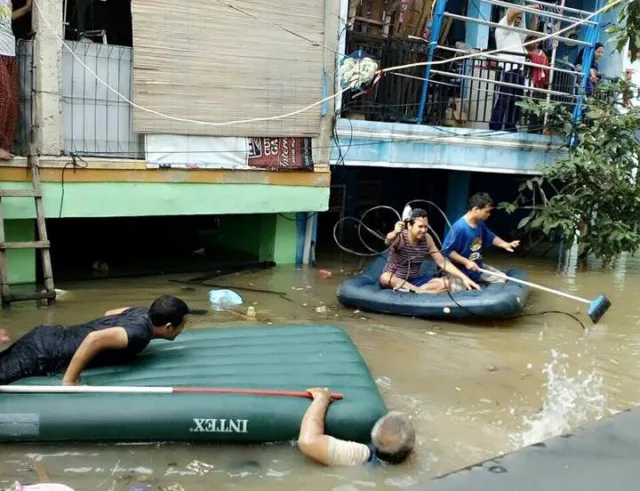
(115, 338)
(469, 236)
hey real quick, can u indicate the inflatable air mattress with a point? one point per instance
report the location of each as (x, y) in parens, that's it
(281, 358)
(494, 301)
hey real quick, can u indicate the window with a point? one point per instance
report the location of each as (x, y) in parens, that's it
(98, 21)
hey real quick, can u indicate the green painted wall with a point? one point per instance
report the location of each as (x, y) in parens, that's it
(267, 237)
(285, 241)
(273, 237)
(85, 200)
(21, 263)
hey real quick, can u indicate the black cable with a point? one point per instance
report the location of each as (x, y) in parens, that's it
(74, 164)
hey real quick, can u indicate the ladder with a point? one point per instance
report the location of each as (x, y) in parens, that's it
(42, 244)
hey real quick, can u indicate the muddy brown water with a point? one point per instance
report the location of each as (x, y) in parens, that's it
(473, 390)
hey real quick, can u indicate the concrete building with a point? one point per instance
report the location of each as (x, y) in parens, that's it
(108, 164)
(406, 138)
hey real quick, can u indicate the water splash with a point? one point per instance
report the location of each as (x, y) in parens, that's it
(569, 401)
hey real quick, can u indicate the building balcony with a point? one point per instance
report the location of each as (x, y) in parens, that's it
(461, 94)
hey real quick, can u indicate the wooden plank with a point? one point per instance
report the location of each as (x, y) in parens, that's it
(32, 244)
(19, 193)
(177, 176)
(18, 297)
(4, 276)
(45, 253)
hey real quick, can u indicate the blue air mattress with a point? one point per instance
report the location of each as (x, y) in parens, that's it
(501, 300)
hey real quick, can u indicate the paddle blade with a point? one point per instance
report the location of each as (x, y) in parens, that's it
(598, 308)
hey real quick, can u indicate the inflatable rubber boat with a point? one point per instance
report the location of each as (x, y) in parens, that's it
(498, 300)
(282, 358)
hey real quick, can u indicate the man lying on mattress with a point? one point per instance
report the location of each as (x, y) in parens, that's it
(115, 338)
(392, 438)
(411, 244)
(469, 235)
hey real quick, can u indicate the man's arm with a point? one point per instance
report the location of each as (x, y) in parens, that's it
(467, 263)
(449, 247)
(116, 311)
(312, 441)
(448, 266)
(16, 14)
(512, 14)
(94, 343)
(507, 246)
(394, 238)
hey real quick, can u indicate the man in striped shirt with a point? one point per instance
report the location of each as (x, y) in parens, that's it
(410, 245)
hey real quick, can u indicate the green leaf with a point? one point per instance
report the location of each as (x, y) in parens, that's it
(524, 221)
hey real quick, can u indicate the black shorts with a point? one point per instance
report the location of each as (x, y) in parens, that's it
(31, 355)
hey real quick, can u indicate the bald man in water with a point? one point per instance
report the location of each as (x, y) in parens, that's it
(392, 437)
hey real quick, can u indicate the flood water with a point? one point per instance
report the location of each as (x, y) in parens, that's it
(474, 390)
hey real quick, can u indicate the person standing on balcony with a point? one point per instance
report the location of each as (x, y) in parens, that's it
(505, 111)
(594, 77)
(9, 90)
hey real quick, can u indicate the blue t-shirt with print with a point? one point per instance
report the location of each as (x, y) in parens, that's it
(469, 242)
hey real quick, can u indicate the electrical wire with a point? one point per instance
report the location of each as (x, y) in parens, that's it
(374, 253)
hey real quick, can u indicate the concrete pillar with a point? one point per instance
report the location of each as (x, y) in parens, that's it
(477, 35)
(322, 150)
(457, 195)
(351, 199)
(289, 238)
(47, 55)
(612, 63)
(310, 237)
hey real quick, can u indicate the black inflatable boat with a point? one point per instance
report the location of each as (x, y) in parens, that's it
(498, 300)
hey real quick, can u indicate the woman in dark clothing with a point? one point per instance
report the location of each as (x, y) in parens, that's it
(592, 80)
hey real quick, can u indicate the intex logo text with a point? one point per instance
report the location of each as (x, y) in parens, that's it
(204, 425)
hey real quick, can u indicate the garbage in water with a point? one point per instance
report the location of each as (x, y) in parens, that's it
(251, 311)
(173, 487)
(221, 299)
(325, 273)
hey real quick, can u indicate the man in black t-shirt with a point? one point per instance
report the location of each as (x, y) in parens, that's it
(115, 338)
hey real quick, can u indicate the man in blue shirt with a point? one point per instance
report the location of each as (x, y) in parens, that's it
(469, 236)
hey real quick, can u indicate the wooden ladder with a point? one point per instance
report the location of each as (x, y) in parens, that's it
(42, 244)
